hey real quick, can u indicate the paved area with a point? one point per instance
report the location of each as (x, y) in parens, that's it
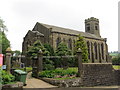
(36, 83)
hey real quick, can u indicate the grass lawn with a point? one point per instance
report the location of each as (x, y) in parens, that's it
(116, 67)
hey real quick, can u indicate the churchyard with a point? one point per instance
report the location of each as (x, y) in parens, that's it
(61, 69)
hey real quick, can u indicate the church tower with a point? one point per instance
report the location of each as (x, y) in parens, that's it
(92, 26)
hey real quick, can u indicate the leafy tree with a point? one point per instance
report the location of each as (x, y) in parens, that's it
(50, 49)
(62, 50)
(80, 43)
(33, 51)
(16, 53)
(4, 42)
(2, 26)
(116, 60)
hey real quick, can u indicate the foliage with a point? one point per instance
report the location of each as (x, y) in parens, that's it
(33, 51)
(50, 49)
(62, 50)
(80, 43)
(59, 73)
(2, 26)
(116, 67)
(16, 53)
(116, 60)
(7, 78)
(4, 42)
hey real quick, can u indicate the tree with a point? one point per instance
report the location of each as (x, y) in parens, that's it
(50, 49)
(63, 50)
(4, 42)
(116, 60)
(33, 51)
(16, 53)
(2, 26)
(80, 43)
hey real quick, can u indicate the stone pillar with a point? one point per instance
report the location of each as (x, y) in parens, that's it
(80, 65)
(39, 62)
(8, 59)
(107, 60)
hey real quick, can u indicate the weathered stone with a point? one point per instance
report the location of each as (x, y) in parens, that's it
(102, 75)
(97, 46)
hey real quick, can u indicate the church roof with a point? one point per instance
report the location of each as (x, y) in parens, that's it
(70, 31)
(37, 33)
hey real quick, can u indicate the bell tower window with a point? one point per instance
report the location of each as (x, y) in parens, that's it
(88, 28)
(96, 28)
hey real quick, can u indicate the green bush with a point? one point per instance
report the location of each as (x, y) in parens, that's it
(33, 52)
(58, 72)
(7, 78)
(116, 60)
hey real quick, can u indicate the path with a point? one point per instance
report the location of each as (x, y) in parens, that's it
(36, 83)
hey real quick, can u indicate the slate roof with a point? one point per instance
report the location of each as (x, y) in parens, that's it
(70, 31)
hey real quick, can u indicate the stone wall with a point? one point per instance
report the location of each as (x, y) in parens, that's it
(93, 75)
(100, 75)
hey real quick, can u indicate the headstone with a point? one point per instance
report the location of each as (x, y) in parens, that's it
(4, 67)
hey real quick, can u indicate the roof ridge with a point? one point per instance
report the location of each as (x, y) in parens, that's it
(60, 27)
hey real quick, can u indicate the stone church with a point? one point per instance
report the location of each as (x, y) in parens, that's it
(97, 46)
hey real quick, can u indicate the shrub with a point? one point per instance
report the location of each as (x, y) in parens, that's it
(62, 50)
(33, 51)
(116, 60)
(7, 78)
(58, 72)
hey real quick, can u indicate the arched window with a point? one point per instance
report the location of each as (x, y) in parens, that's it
(70, 43)
(74, 43)
(92, 54)
(99, 53)
(88, 46)
(58, 41)
(102, 49)
(96, 51)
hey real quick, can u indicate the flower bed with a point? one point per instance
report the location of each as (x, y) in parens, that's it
(59, 73)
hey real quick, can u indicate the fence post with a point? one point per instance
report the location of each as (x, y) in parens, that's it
(80, 66)
(39, 62)
(8, 59)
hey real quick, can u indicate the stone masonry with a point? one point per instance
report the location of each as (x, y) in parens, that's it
(97, 46)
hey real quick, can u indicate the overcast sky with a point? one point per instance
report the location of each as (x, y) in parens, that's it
(21, 16)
